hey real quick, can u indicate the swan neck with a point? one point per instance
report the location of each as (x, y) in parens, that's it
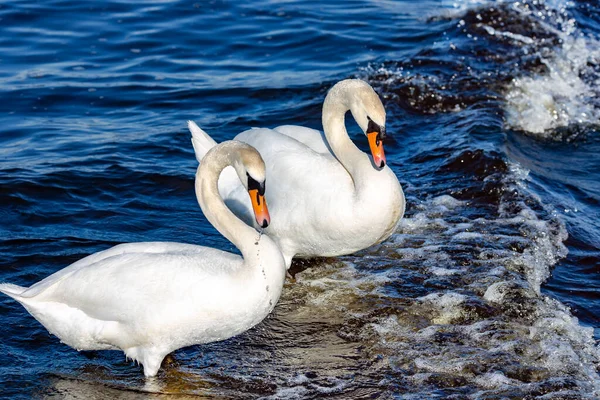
(336, 104)
(213, 206)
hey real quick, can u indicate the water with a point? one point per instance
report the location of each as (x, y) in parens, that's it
(489, 289)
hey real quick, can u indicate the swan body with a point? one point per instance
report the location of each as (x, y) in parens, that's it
(328, 197)
(149, 299)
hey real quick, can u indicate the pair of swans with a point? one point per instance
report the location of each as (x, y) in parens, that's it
(149, 299)
(327, 197)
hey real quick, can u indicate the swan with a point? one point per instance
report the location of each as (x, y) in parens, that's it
(149, 299)
(328, 198)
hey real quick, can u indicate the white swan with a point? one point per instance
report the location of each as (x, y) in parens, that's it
(149, 299)
(328, 197)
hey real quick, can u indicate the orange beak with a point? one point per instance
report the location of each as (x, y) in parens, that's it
(376, 145)
(259, 205)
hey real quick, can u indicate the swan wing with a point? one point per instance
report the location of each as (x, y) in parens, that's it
(129, 281)
(294, 162)
(311, 138)
(286, 150)
(303, 179)
(201, 141)
(91, 260)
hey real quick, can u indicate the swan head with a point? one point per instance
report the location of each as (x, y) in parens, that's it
(251, 170)
(369, 113)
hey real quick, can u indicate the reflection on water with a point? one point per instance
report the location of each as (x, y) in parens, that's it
(73, 388)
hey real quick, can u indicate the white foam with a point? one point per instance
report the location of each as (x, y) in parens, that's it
(541, 103)
(295, 392)
(428, 254)
(467, 235)
(494, 380)
(494, 32)
(437, 365)
(300, 385)
(444, 271)
(420, 221)
(447, 201)
(472, 310)
(446, 306)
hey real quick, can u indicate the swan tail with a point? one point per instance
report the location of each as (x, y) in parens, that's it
(11, 290)
(229, 183)
(201, 141)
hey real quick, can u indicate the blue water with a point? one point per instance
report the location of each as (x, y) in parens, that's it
(489, 289)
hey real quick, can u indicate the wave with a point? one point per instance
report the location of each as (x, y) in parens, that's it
(565, 94)
(530, 59)
(451, 304)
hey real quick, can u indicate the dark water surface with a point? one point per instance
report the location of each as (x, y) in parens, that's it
(490, 288)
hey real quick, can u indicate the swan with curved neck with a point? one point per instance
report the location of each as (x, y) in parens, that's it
(329, 198)
(149, 299)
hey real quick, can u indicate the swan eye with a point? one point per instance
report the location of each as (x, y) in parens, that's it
(253, 184)
(375, 127)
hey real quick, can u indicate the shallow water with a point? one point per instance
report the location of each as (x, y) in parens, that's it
(490, 287)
